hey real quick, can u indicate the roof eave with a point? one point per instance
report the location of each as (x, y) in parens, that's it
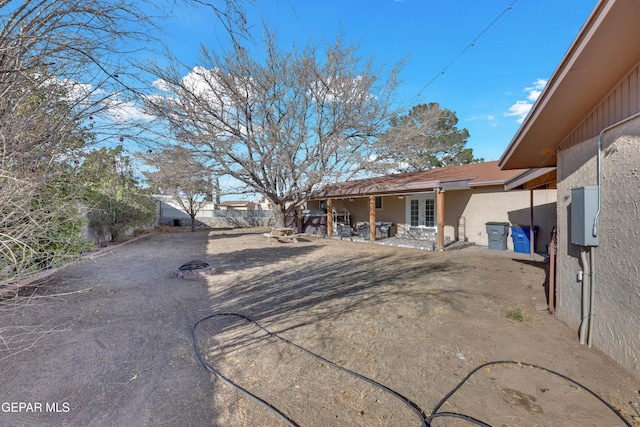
(597, 60)
(529, 179)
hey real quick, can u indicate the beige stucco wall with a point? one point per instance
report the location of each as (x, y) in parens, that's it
(392, 209)
(617, 257)
(491, 204)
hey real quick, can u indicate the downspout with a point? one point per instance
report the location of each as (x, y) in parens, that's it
(586, 287)
(592, 280)
(532, 240)
(552, 269)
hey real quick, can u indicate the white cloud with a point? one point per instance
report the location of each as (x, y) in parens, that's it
(489, 119)
(86, 96)
(533, 95)
(75, 93)
(522, 107)
(199, 80)
(520, 110)
(209, 85)
(161, 85)
(536, 90)
(124, 111)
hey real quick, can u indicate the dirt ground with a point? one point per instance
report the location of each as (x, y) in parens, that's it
(108, 341)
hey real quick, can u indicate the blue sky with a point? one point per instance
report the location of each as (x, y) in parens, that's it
(488, 85)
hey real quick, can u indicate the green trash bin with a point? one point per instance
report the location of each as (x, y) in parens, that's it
(498, 233)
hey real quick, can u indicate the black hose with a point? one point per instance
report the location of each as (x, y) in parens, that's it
(425, 421)
(231, 384)
(414, 407)
(455, 415)
(513, 362)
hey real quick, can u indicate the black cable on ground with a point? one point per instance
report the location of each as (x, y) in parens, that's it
(415, 408)
(455, 415)
(231, 384)
(434, 412)
(425, 421)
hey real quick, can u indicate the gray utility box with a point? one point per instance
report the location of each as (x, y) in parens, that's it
(498, 233)
(584, 206)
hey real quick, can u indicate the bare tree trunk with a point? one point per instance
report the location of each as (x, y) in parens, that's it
(279, 214)
(216, 191)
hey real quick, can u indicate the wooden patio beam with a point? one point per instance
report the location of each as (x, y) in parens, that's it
(547, 180)
(329, 217)
(440, 216)
(372, 218)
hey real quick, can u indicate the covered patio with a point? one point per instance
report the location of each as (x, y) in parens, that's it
(442, 206)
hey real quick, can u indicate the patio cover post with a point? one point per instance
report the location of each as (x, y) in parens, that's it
(329, 217)
(440, 215)
(531, 230)
(372, 218)
(299, 219)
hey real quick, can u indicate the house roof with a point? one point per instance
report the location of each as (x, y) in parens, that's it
(601, 55)
(452, 178)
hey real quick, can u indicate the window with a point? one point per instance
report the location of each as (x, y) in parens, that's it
(430, 213)
(378, 202)
(414, 213)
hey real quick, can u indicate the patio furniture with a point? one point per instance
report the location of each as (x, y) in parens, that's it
(285, 234)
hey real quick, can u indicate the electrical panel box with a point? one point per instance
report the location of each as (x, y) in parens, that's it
(584, 207)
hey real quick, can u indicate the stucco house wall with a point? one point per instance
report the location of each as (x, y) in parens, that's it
(492, 204)
(392, 209)
(357, 207)
(594, 95)
(617, 257)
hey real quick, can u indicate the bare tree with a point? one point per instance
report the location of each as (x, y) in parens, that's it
(280, 122)
(62, 68)
(180, 174)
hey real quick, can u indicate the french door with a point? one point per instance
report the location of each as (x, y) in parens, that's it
(421, 210)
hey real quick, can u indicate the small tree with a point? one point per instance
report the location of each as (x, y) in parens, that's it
(114, 198)
(182, 176)
(425, 138)
(34, 234)
(280, 122)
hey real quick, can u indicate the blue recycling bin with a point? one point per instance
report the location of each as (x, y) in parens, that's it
(521, 238)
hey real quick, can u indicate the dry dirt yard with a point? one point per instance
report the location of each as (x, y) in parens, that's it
(108, 341)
